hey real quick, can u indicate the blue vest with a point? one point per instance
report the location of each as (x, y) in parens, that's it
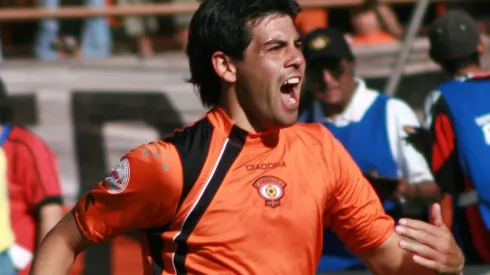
(469, 104)
(5, 133)
(367, 142)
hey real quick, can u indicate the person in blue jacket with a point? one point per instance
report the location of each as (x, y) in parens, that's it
(459, 123)
(371, 127)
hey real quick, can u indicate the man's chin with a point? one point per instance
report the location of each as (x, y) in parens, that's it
(288, 119)
(331, 97)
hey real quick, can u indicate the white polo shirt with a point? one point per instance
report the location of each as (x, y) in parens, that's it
(412, 166)
(429, 103)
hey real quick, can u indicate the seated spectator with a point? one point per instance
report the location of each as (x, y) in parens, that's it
(374, 24)
(143, 27)
(95, 41)
(182, 24)
(140, 28)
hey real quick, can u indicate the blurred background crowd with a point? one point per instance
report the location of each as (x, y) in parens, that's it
(94, 87)
(369, 23)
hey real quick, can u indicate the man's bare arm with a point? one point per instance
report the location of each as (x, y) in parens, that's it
(418, 248)
(49, 216)
(59, 249)
(426, 191)
(389, 258)
(389, 20)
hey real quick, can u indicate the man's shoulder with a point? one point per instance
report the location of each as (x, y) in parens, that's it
(27, 141)
(307, 128)
(199, 132)
(152, 152)
(399, 106)
(182, 142)
(310, 133)
(21, 134)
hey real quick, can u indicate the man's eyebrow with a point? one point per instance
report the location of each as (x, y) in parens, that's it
(275, 41)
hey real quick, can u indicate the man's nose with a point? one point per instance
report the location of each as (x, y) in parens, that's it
(296, 59)
(328, 77)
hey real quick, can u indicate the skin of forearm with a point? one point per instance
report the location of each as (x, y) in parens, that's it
(389, 20)
(59, 249)
(426, 191)
(55, 256)
(49, 216)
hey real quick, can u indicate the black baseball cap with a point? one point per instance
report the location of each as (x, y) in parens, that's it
(326, 43)
(453, 35)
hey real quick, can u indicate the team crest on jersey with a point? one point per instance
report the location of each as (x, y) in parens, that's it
(271, 189)
(118, 180)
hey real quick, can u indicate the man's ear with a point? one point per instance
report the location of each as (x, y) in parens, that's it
(224, 67)
(351, 65)
(480, 48)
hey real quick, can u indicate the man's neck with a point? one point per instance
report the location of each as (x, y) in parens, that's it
(237, 114)
(332, 111)
(469, 70)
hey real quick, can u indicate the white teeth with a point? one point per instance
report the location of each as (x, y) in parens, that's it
(292, 80)
(291, 100)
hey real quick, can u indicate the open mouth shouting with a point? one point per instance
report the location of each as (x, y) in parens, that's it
(290, 92)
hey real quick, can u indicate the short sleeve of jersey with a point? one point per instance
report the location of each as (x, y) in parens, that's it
(141, 192)
(39, 171)
(354, 211)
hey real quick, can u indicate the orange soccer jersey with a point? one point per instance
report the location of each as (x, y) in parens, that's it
(214, 199)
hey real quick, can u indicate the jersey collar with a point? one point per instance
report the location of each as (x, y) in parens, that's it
(225, 125)
(355, 109)
(470, 76)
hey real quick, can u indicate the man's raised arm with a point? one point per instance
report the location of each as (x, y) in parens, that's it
(418, 248)
(138, 194)
(59, 248)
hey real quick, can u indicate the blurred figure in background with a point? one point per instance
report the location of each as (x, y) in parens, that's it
(309, 20)
(182, 22)
(33, 185)
(96, 37)
(96, 41)
(375, 23)
(6, 234)
(459, 119)
(370, 125)
(140, 28)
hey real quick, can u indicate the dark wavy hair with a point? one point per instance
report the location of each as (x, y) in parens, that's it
(452, 66)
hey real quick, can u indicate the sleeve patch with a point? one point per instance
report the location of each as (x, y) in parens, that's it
(118, 180)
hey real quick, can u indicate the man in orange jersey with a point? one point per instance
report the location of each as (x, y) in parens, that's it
(246, 190)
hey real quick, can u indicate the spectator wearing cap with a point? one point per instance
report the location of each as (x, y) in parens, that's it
(34, 193)
(370, 126)
(459, 122)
